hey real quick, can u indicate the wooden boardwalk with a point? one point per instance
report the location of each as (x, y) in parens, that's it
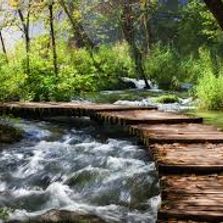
(188, 154)
(39, 110)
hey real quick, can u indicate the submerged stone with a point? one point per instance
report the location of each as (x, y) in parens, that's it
(62, 216)
(9, 134)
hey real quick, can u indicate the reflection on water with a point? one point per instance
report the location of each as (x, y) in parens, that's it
(78, 168)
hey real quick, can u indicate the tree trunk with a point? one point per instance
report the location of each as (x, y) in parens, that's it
(53, 39)
(130, 35)
(78, 29)
(216, 8)
(3, 46)
(27, 40)
(25, 25)
(146, 26)
(139, 65)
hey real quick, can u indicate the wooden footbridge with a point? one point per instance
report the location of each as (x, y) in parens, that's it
(188, 154)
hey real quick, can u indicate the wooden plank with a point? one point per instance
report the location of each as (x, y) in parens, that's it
(177, 133)
(172, 220)
(192, 184)
(71, 105)
(188, 158)
(198, 198)
(62, 109)
(146, 117)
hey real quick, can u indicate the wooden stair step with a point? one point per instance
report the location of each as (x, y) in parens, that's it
(147, 117)
(177, 133)
(188, 158)
(172, 220)
(63, 109)
(198, 198)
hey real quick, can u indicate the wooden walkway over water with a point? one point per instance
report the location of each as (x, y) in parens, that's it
(188, 154)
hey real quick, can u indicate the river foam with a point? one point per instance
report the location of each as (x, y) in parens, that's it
(111, 178)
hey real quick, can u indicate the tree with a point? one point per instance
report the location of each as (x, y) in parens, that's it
(188, 39)
(52, 34)
(216, 8)
(23, 11)
(3, 24)
(3, 45)
(81, 36)
(132, 26)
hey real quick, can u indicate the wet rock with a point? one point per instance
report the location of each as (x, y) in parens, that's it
(60, 216)
(186, 86)
(9, 134)
(126, 85)
(122, 85)
(87, 176)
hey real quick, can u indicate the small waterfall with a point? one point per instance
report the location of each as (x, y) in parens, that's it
(139, 84)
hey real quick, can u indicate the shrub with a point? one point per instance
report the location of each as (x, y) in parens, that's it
(194, 67)
(79, 71)
(209, 88)
(210, 91)
(11, 79)
(166, 99)
(112, 63)
(162, 66)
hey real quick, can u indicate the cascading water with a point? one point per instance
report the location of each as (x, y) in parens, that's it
(80, 169)
(140, 84)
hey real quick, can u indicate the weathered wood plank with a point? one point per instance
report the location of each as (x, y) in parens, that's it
(129, 117)
(198, 198)
(192, 184)
(188, 158)
(177, 133)
(62, 109)
(172, 220)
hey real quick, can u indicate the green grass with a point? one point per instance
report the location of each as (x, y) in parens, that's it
(211, 117)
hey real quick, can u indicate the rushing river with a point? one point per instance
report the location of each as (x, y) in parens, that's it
(78, 166)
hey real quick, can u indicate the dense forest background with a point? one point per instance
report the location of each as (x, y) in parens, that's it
(85, 46)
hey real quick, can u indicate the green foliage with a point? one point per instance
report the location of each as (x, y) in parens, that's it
(197, 27)
(79, 71)
(193, 67)
(209, 88)
(112, 64)
(210, 91)
(168, 68)
(166, 99)
(186, 46)
(163, 67)
(11, 79)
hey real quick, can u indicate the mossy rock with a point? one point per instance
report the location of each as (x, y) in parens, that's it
(62, 216)
(167, 99)
(4, 214)
(9, 134)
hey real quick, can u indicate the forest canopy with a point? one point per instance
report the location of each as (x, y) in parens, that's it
(81, 46)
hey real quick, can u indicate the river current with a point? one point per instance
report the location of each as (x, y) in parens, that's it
(78, 165)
